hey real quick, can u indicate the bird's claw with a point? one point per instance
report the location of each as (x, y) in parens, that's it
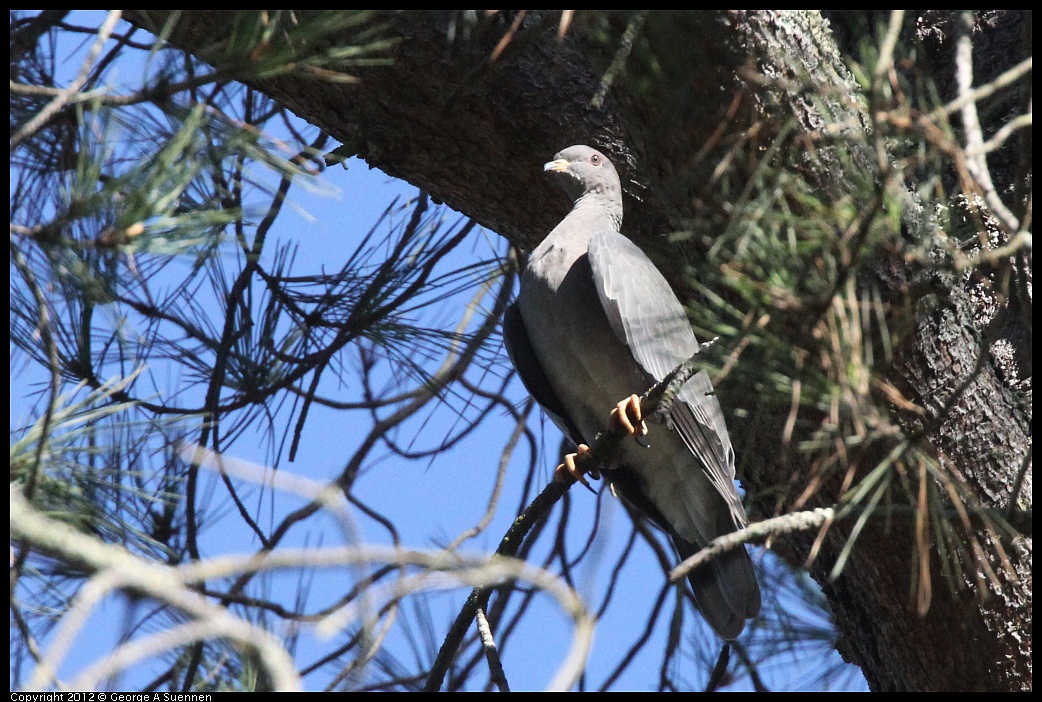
(569, 469)
(627, 415)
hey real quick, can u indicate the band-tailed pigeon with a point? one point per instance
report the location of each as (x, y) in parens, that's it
(595, 322)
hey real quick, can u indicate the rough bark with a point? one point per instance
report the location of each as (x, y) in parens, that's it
(473, 132)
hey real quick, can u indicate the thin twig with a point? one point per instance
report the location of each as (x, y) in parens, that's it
(974, 135)
(495, 665)
(65, 95)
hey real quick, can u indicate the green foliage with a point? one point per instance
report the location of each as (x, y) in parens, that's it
(143, 251)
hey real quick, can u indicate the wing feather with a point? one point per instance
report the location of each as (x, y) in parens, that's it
(647, 316)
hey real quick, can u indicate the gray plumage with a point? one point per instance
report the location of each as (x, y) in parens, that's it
(595, 322)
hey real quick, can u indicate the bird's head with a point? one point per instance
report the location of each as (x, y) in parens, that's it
(584, 170)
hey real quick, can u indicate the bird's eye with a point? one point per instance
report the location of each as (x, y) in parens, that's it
(595, 159)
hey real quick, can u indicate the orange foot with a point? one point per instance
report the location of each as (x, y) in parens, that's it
(569, 469)
(627, 415)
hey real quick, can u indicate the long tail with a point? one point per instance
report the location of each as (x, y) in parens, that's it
(725, 588)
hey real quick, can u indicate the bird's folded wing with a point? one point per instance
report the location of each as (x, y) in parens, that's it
(647, 316)
(523, 356)
(640, 305)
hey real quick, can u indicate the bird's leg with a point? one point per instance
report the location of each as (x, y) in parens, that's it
(569, 469)
(627, 415)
